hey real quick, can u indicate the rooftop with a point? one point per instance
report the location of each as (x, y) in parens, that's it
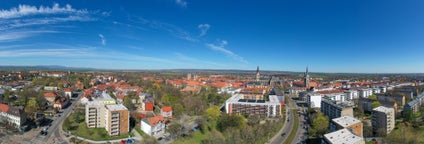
(346, 121)
(95, 103)
(116, 107)
(383, 109)
(342, 136)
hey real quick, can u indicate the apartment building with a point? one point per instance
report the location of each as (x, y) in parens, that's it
(117, 119)
(351, 94)
(365, 92)
(238, 105)
(113, 117)
(94, 114)
(346, 122)
(313, 100)
(12, 115)
(415, 104)
(343, 136)
(383, 120)
(335, 109)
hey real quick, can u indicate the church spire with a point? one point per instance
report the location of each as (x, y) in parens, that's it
(257, 74)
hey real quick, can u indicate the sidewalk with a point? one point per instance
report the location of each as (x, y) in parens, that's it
(136, 137)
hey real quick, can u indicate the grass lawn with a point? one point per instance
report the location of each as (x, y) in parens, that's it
(144, 135)
(292, 134)
(97, 134)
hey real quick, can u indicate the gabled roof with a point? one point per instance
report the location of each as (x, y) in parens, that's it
(153, 121)
(50, 94)
(166, 109)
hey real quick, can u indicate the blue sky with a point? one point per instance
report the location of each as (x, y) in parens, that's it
(328, 36)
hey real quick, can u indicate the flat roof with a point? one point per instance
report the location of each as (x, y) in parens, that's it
(95, 103)
(273, 99)
(346, 121)
(342, 136)
(116, 107)
(383, 109)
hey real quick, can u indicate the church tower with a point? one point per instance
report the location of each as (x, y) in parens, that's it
(306, 78)
(258, 75)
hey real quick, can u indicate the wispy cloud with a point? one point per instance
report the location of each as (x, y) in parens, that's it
(203, 29)
(58, 52)
(172, 29)
(181, 3)
(13, 36)
(221, 48)
(103, 39)
(26, 10)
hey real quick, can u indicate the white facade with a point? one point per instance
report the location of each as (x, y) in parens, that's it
(336, 96)
(152, 130)
(351, 94)
(365, 93)
(342, 136)
(314, 100)
(68, 93)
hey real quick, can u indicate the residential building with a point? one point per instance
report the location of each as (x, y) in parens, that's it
(148, 104)
(50, 97)
(61, 103)
(415, 104)
(94, 114)
(342, 136)
(346, 122)
(336, 96)
(334, 109)
(68, 92)
(365, 92)
(238, 105)
(153, 126)
(117, 120)
(50, 88)
(399, 99)
(166, 111)
(12, 115)
(383, 120)
(351, 94)
(314, 100)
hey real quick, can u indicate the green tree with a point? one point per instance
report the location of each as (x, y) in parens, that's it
(128, 103)
(6, 96)
(373, 97)
(375, 104)
(227, 121)
(213, 113)
(320, 124)
(32, 105)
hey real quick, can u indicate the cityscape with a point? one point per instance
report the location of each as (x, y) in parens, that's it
(211, 72)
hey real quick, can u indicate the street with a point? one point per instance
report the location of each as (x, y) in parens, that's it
(54, 130)
(281, 136)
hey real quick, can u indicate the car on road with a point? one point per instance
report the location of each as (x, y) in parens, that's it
(283, 134)
(43, 132)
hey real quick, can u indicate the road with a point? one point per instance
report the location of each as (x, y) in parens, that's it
(55, 129)
(288, 125)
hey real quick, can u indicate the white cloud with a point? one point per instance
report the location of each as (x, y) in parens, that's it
(103, 39)
(68, 52)
(181, 3)
(172, 29)
(26, 10)
(203, 29)
(221, 48)
(17, 35)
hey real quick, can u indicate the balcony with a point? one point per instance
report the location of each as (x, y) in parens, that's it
(114, 125)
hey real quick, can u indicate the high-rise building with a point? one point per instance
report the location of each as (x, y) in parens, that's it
(117, 119)
(343, 136)
(113, 117)
(346, 122)
(335, 109)
(383, 120)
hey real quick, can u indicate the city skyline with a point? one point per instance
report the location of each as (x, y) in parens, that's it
(330, 36)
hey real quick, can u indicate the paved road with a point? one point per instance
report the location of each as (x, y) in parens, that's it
(54, 131)
(301, 136)
(288, 125)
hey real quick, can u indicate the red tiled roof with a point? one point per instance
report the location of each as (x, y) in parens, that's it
(153, 121)
(4, 108)
(50, 94)
(166, 109)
